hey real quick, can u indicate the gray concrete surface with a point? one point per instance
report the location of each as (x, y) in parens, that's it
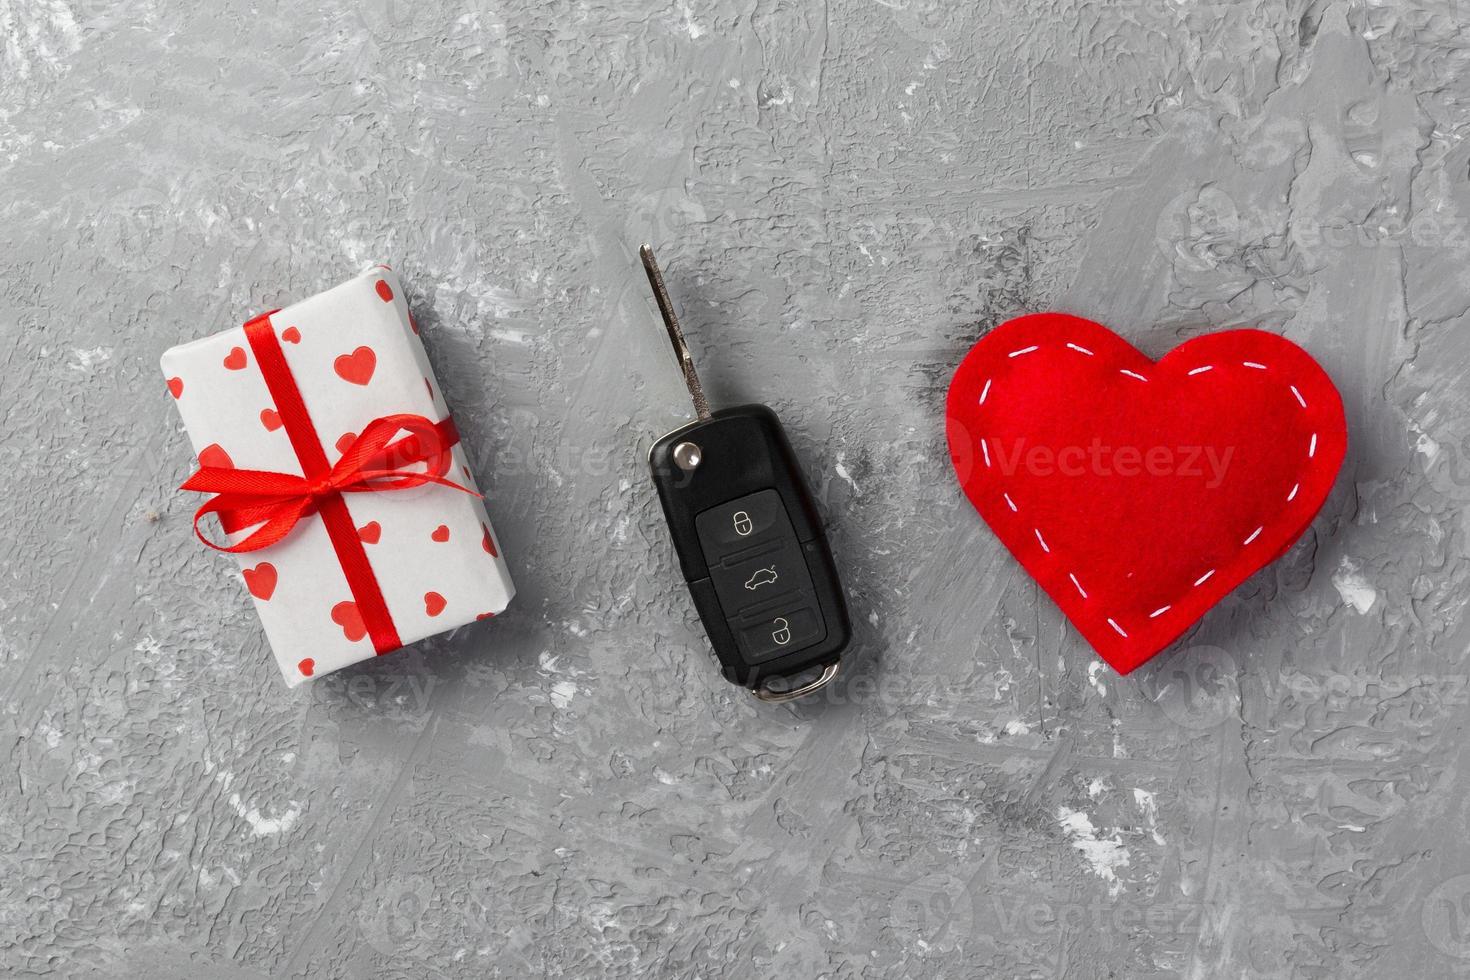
(844, 195)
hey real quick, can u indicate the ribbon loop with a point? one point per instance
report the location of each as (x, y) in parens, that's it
(375, 462)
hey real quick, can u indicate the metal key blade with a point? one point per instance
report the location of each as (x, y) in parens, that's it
(676, 336)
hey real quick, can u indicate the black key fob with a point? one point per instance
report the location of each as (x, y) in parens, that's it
(749, 540)
(751, 546)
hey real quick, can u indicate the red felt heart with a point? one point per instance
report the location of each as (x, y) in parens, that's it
(235, 359)
(270, 418)
(215, 455)
(356, 367)
(176, 387)
(307, 666)
(1139, 494)
(345, 615)
(370, 532)
(440, 533)
(291, 335)
(261, 580)
(434, 603)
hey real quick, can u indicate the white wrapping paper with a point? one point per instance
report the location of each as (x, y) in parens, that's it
(355, 355)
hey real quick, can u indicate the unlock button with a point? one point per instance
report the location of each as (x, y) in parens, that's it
(779, 633)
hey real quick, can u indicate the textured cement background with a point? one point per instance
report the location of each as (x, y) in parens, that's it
(845, 196)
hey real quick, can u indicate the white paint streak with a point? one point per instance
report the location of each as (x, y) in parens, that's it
(562, 693)
(1356, 591)
(695, 31)
(86, 360)
(1150, 807)
(1105, 855)
(263, 826)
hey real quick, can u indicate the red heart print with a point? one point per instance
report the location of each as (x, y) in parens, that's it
(176, 387)
(307, 667)
(434, 603)
(413, 323)
(1139, 494)
(345, 615)
(385, 291)
(261, 580)
(235, 359)
(345, 440)
(370, 532)
(291, 335)
(270, 418)
(485, 616)
(488, 543)
(214, 455)
(356, 367)
(440, 533)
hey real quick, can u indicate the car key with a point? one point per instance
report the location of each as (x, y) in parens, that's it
(748, 537)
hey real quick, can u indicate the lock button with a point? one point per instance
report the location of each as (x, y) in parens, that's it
(754, 520)
(774, 634)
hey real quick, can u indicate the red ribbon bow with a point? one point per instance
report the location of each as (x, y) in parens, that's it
(375, 462)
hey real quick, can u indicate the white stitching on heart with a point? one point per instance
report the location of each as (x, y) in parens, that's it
(1311, 452)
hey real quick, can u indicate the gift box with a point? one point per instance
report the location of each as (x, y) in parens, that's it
(337, 477)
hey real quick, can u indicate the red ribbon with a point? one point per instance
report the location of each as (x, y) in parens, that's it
(375, 462)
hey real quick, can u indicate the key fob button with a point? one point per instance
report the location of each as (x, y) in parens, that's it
(743, 523)
(756, 580)
(777, 633)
